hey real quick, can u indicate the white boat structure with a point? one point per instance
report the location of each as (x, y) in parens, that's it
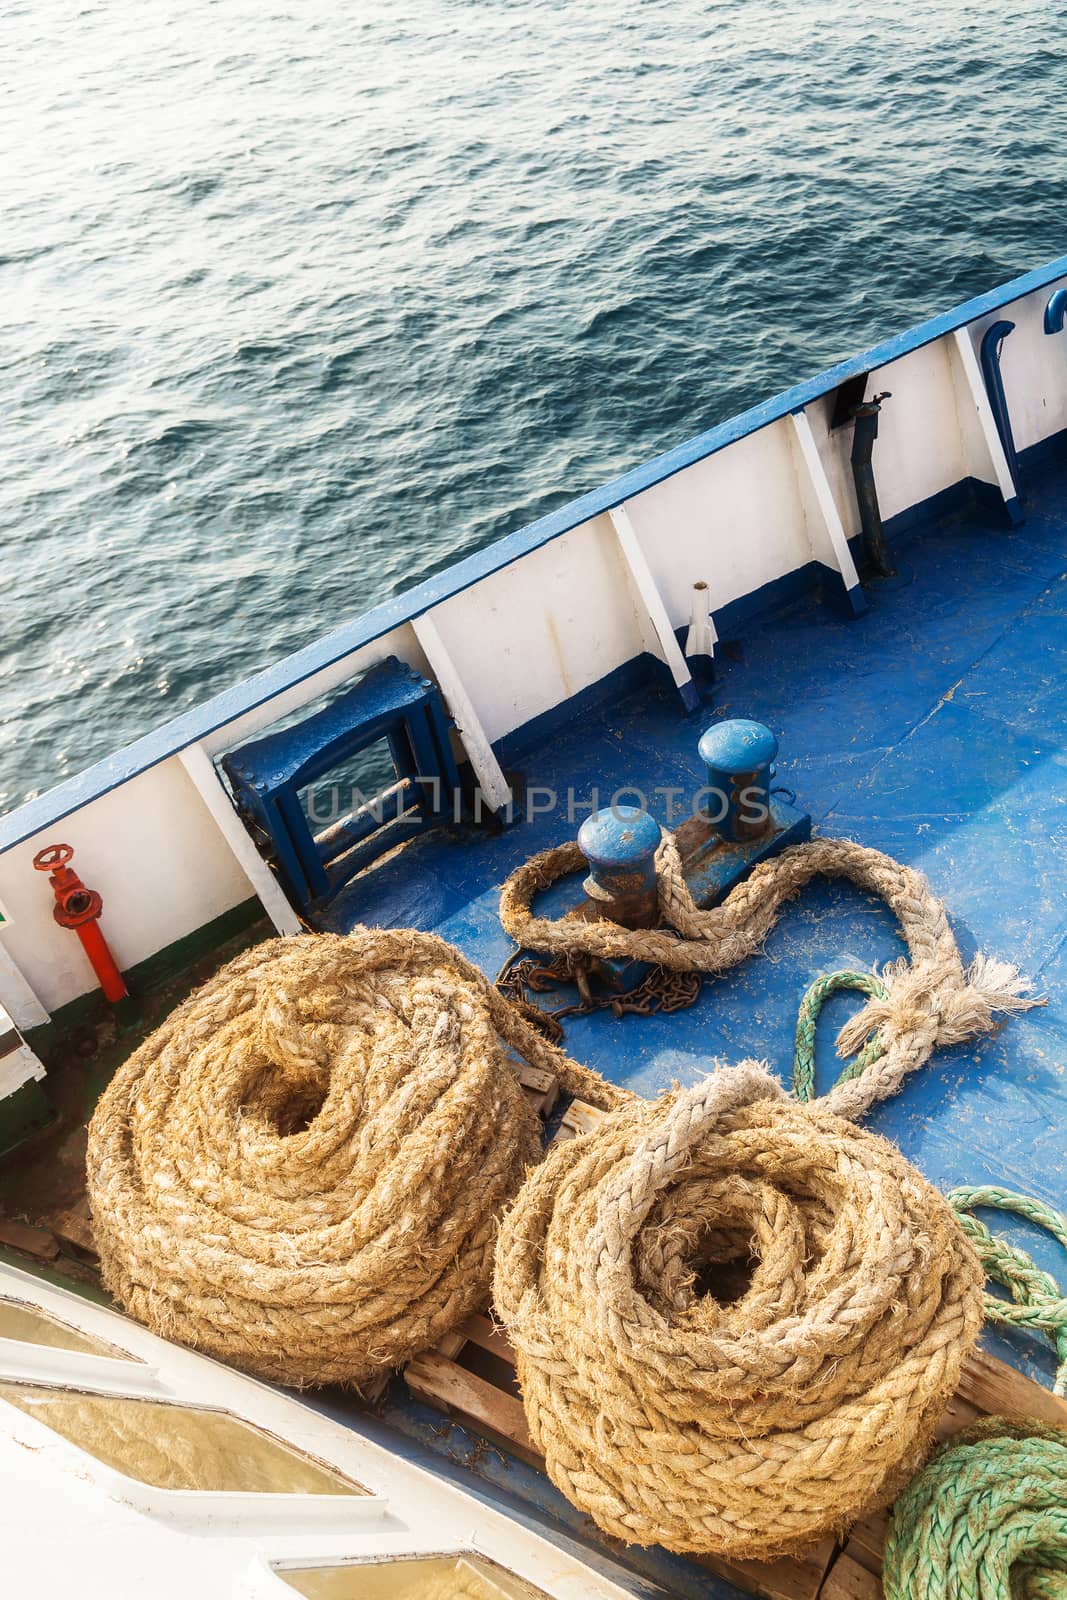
(130, 1463)
(581, 656)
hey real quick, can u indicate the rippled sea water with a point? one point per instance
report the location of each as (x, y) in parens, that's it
(298, 304)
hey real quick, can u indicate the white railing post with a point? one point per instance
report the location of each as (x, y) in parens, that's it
(491, 780)
(209, 785)
(16, 996)
(815, 474)
(652, 600)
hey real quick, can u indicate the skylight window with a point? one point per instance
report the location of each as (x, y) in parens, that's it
(31, 1325)
(462, 1577)
(176, 1447)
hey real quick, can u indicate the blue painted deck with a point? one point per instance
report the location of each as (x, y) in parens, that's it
(935, 728)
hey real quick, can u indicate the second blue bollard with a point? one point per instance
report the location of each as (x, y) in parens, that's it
(739, 757)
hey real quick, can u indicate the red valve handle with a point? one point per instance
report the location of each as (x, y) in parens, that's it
(53, 855)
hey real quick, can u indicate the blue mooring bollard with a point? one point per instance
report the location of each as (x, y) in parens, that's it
(739, 757)
(620, 846)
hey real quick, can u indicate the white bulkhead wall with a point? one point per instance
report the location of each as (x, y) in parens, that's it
(532, 635)
(928, 435)
(920, 448)
(735, 520)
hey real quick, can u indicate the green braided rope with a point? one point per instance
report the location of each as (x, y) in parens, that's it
(1037, 1301)
(807, 1021)
(986, 1519)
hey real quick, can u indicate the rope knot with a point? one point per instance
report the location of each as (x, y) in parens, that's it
(937, 999)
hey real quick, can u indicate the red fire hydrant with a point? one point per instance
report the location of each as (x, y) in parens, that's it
(79, 908)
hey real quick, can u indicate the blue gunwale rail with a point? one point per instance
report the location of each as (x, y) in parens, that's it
(196, 724)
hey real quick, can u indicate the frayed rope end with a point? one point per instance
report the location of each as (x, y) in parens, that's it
(1002, 985)
(965, 1010)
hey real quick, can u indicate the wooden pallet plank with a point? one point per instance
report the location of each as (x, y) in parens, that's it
(799, 1577)
(446, 1384)
(848, 1580)
(1000, 1391)
(866, 1541)
(39, 1242)
(452, 1343)
(958, 1414)
(73, 1227)
(487, 1336)
(578, 1118)
(540, 1086)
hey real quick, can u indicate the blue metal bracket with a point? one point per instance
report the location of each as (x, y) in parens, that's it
(989, 355)
(714, 865)
(390, 703)
(1055, 311)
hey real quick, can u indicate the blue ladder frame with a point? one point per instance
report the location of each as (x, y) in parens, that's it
(390, 702)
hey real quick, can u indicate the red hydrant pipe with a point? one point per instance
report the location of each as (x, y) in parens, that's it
(79, 908)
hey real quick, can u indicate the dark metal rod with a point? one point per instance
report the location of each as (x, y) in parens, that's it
(989, 355)
(864, 435)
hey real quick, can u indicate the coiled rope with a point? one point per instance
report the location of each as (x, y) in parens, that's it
(1037, 1301)
(929, 1001)
(300, 1171)
(986, 1518)
(746, 1427)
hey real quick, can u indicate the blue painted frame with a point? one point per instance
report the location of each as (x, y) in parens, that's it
(266, 775)
(198, 723)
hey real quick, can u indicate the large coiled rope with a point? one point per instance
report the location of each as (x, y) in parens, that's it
(300, 1171)
(986, 1518)
(744, 1428)
(929, 1000)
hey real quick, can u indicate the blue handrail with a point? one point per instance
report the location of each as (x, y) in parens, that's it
(992, 340)
(1055, 311)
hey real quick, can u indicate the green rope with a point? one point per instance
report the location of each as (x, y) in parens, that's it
(1037, 1301)
(986, 1519)
(807, 1021)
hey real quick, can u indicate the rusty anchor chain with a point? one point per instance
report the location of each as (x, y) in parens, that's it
(661, 989)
